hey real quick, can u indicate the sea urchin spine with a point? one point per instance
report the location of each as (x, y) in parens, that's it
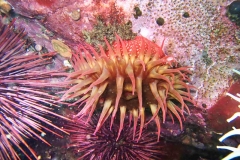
(24, 97)
(104, 146)
(131, 76)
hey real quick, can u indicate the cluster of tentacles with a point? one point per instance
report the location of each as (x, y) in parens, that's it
(130, 77)
(24, 95)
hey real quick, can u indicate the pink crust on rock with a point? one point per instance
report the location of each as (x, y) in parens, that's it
(131, 76)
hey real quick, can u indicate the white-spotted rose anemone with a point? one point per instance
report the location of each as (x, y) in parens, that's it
(130, 77)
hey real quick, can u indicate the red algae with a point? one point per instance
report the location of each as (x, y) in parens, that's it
(223, 110)
(47, 3)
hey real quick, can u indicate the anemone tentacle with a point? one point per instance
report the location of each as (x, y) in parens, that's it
(136, 74)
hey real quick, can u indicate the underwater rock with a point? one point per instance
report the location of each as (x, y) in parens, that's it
(234, 12)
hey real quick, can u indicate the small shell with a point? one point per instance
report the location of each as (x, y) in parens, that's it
(38, 47)
(75, 15)
(5, 7)
(61, 48)
(66, 63)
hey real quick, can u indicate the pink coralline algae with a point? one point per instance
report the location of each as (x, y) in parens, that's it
(60, 16)
(204, 40)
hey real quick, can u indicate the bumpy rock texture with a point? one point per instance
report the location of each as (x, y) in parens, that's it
(204, 40)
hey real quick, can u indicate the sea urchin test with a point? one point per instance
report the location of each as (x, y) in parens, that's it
(130, 77)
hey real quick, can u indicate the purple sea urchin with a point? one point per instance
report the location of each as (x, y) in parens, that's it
(103, 145)
(24, 98)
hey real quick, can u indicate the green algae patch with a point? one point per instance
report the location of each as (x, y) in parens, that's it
(96, 36)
